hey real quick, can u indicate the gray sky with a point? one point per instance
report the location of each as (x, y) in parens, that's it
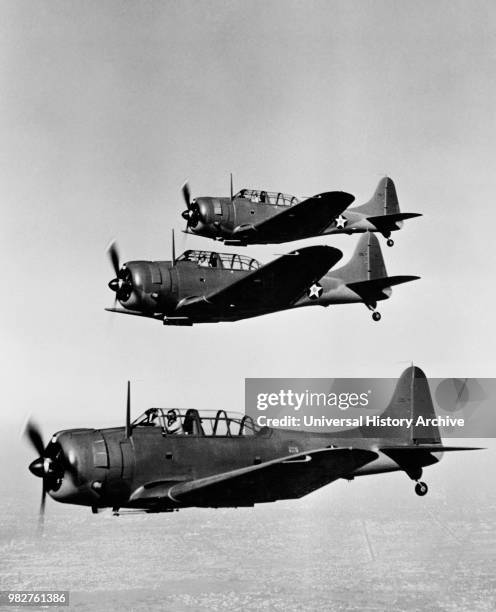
(106, 107)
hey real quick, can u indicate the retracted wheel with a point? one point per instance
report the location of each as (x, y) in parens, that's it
(390, 242)
(376, 316)
(421, 489)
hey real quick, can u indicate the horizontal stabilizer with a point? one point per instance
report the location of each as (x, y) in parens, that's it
(373, 289)
(388, 223)
(412, 458)
(430, 448)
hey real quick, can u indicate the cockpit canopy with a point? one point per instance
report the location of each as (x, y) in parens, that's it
(191, 422)
(226, 261)
(259, 196)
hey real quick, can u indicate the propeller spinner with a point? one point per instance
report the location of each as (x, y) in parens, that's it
(122, 284)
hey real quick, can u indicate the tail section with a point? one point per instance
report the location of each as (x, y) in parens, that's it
(416, 443)
(367, 262)
(411, 400)
(383, 202)
(365, 274)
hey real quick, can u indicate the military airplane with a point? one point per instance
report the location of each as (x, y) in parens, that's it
(168, 459)
(208, 287)
(254, 216)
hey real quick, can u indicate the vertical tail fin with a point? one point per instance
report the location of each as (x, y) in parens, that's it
(383, 202)
(411, 399)
(366, 263)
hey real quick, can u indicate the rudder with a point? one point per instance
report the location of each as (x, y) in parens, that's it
(366, 263)
(411, 399)
(383, 202)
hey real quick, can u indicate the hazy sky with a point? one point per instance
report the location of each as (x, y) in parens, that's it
(105, 109)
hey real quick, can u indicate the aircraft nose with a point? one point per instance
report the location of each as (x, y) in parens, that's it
(123, 284)
(36, 467)
(186, 214)
(114, 284)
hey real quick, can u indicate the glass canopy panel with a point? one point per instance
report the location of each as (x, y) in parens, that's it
(259, 196)
(181, 421)
(228, 261)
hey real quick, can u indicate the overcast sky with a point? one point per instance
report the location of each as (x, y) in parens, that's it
(105, 109)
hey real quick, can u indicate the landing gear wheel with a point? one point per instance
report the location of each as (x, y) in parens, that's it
(421, 489)
(390, 242)
(376, 316)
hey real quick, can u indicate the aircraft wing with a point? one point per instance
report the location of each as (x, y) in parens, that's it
(135, 313)
(277, 284)
(288, 477)
(306, 218)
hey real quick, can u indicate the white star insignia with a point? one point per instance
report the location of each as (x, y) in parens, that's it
(315, 291)
(341, 221)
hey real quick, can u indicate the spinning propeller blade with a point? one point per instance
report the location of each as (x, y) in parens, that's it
(33, 434)
(186, 194)
(114, 256)
(41, 511)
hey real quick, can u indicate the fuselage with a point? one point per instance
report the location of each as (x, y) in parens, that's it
(159, 288)
(221, 219)
(109, 467)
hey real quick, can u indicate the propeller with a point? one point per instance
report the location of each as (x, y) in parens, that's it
(122, 284)
(50, 466)
(39, 467)
(192, 213)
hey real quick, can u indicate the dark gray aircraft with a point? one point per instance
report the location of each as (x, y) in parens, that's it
(254, 216)
(208, 287)
(166, 460)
